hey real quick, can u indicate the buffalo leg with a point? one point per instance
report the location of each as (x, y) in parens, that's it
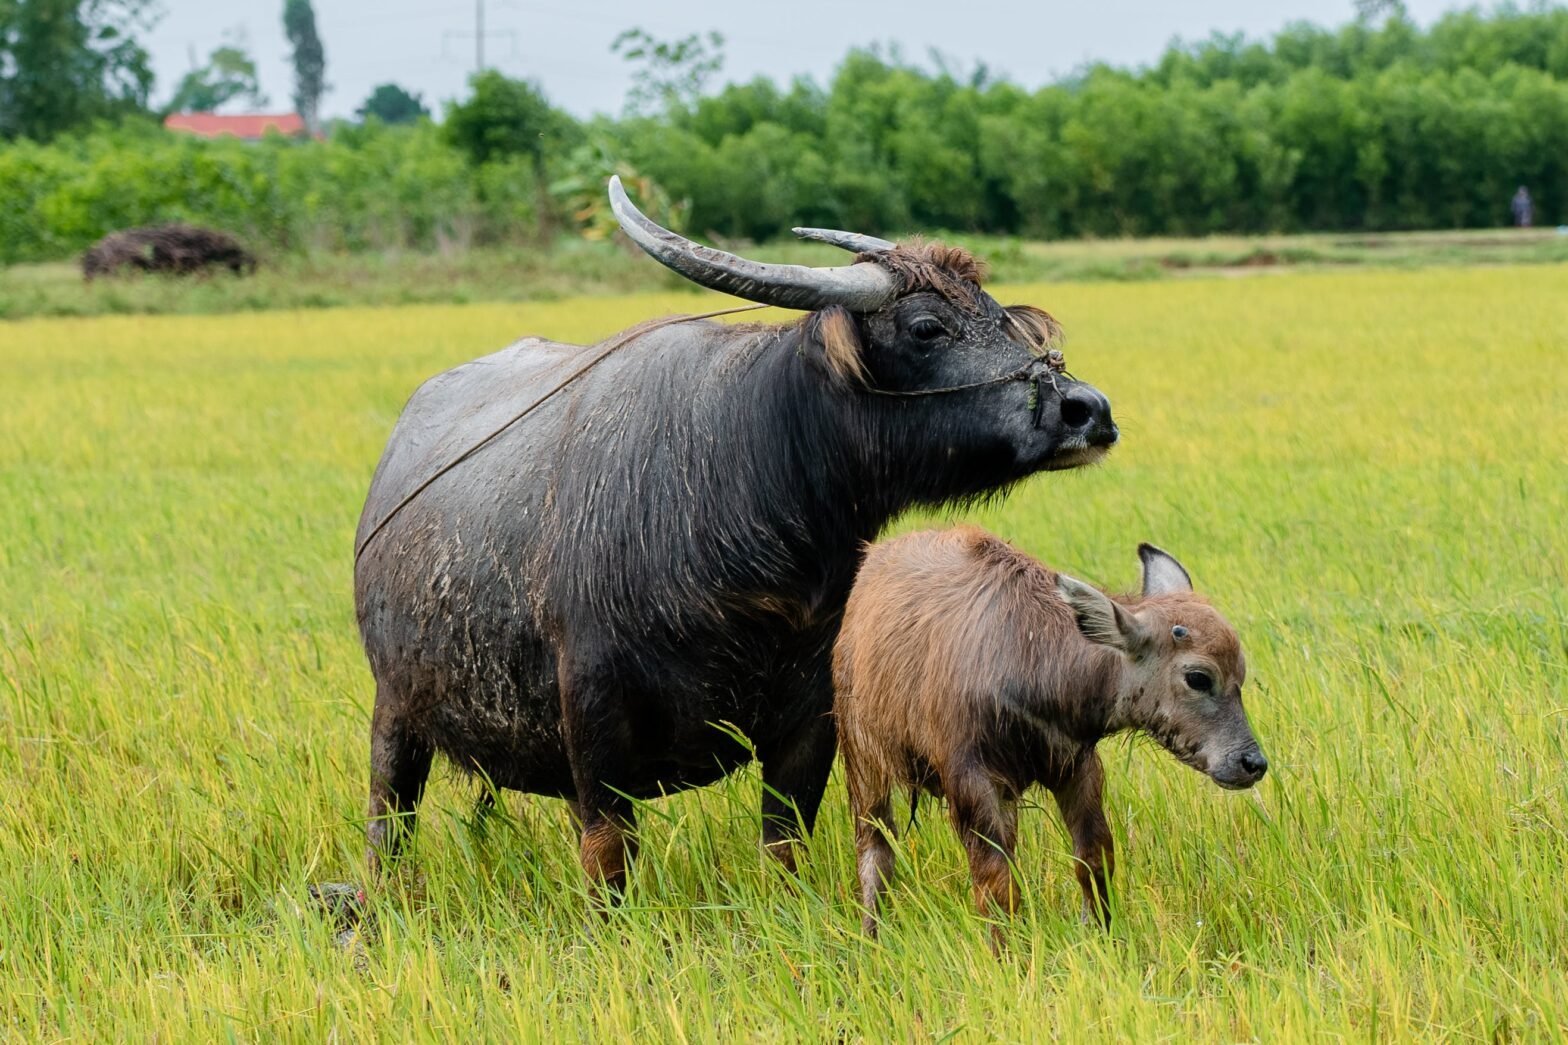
(399, 767)
(1083, 811)
(988, 828)
(794, 776)
(599, 748)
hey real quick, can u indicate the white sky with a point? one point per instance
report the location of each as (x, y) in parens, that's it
(566, 46)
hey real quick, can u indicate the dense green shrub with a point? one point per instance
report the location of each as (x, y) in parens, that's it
(375, 187)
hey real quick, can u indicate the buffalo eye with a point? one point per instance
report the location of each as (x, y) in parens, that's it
(1200, 681)
(928, 328)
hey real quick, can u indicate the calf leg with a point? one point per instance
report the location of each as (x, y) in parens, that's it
(1080, 801)
(988, 828)
(399, 767)
(869, 804)
(794, 775)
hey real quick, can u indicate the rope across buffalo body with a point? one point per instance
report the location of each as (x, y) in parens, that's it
(620, 342)
(1039, 370)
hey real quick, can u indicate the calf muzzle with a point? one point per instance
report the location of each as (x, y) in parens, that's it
(1242, 770)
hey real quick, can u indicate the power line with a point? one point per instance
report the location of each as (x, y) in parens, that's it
(365, 23)
(478, 35)
(674, 26)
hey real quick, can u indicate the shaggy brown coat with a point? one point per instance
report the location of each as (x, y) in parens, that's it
(968, 669)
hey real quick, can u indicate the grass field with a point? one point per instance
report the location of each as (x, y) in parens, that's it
(1366, 471)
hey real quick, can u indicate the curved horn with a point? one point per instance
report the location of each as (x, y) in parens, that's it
(862, 287)
(850, 241)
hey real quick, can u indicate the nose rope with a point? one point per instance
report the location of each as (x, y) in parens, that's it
(1053, 362)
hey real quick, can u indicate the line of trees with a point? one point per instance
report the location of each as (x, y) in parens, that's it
(1112, 153)
(1369, 126)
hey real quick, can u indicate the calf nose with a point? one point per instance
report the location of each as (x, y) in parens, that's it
(1086, 411)
(1254, 762)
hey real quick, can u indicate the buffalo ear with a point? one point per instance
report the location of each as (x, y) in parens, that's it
(1162, 574)
(1100, 618)
(832, 340)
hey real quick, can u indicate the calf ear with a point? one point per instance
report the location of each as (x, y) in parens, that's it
(832, 340)
(1162, 574)
(1100, 618)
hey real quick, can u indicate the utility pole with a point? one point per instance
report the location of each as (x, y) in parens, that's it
(479, 34)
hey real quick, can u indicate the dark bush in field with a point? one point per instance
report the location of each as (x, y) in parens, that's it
(178, 250)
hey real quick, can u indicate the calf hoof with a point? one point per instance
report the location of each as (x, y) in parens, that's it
(1100, 916)
(343, 902)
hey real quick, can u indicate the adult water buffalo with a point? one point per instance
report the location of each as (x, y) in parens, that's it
(596, 600)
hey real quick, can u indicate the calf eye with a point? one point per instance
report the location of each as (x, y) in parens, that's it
(927, 328)
(1200, 681)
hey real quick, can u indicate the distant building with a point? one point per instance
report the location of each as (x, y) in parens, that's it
(246, 128)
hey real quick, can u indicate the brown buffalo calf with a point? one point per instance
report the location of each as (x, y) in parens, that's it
(967, 668)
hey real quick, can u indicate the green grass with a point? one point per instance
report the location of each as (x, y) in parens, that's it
(1365, 471)
(573, 267)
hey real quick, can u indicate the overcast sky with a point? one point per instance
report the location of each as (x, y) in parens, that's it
(427, 45)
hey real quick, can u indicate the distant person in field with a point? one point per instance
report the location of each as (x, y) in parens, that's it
(1523, 207)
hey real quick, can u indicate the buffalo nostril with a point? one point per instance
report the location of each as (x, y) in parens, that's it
(1254, 762)
(1076, 413)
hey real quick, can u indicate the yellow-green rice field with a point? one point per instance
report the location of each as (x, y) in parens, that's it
(1368, 473)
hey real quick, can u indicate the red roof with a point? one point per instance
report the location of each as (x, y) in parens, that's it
(250, 128)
